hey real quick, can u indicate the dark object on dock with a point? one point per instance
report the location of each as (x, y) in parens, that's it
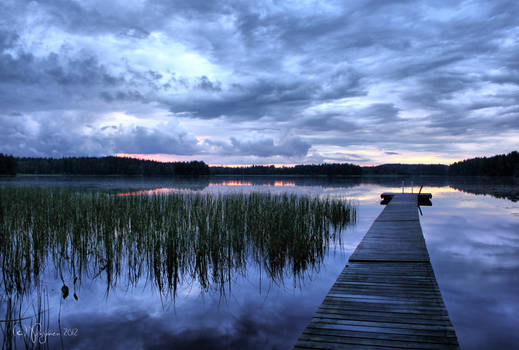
(424, 199)
(387, 296)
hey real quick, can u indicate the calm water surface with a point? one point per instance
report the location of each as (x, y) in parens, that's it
(472, 233)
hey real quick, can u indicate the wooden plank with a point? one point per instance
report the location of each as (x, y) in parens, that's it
(396, 234)
(387, 296)
(408, 327)
(341, 342)
(384, 317)
(386, 334)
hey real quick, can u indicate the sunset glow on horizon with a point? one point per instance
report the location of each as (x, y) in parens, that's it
(383, 160)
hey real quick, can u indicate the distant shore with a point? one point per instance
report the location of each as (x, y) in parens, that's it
(499, 165)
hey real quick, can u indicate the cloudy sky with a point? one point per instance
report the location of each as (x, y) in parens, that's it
(260, 82)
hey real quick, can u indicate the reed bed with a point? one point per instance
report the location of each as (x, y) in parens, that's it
(166, 239)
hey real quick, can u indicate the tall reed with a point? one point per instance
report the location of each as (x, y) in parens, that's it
(166, 239)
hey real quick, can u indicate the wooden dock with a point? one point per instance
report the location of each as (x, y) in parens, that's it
(387, 296)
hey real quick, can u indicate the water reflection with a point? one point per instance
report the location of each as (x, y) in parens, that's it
(166, 242)
(231, 183)
(105, 183)
(152, 192)
(473, 241)
(275, 183)
(474, 247)
(497, 187)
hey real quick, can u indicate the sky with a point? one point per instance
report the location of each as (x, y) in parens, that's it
(260, 82)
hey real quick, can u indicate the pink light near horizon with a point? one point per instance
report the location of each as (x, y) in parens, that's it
(155, 192)
(248, 183)
(165, 158)
(377, 158)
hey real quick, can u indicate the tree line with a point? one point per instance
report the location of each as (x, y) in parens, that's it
(321, 169)
(7, 165)
(335, 169)
(99, 166)
(406, 169)
(499, 165)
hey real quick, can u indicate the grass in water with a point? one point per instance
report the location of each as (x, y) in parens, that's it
(166, 239)
(163, 239)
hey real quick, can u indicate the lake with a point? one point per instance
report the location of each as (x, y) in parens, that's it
(471, 231)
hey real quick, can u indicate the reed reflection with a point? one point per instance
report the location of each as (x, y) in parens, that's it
(237, 182)
(165, 240)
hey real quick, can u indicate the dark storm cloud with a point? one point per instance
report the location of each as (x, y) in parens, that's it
(41, 83)
(286, 67)
(58, 81)
(327, 122)
(61, 135)
(264, 147)
(145, 140)
(205, 84)
(353, 119)
(27, 70)
(342, 157)
(266, 97)
(109, 17)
